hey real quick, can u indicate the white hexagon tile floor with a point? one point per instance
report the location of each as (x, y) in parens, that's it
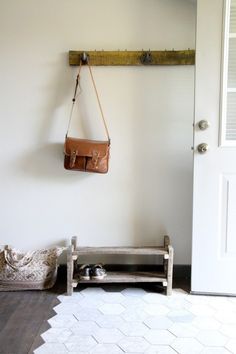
(135, 321)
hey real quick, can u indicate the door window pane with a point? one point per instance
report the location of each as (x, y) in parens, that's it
(231, 116)
(232, 63)
(229, 89)
(233, 16)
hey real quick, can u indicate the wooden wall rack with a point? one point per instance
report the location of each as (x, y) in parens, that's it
(164, 277)
(134, 58)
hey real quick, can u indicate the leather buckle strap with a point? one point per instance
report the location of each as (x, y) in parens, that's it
(72, 159)
(95, 158)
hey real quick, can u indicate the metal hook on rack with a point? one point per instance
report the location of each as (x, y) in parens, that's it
(84, 58)
(146, 57)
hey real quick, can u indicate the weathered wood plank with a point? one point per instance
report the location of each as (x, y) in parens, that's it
(121, 250)
(135, 58)
(127, 277)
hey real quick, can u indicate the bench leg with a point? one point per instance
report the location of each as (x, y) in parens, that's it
(170, 271)
(70, 266)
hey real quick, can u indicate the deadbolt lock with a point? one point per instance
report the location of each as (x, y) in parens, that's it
(202, 148)
(203, 124)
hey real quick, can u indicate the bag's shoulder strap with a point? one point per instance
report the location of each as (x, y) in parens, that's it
(77, 84)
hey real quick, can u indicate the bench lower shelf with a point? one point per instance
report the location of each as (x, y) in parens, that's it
(126, 277)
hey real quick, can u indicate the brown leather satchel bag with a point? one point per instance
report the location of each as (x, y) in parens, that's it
(83, 154)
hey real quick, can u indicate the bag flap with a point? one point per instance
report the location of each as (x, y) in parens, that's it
(84, 147)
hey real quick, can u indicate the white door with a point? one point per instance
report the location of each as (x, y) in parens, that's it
(214, 196)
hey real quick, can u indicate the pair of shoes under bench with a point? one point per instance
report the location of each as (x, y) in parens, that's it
(96, 271)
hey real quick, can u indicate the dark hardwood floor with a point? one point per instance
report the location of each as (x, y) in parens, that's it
(24, 314)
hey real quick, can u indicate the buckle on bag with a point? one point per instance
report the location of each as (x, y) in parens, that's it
(72, 159)
(95, 158)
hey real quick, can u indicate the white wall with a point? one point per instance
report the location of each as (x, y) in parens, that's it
(148, 190)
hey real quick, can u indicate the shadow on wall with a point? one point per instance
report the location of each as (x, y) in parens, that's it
(58, 92)
(47, 162)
